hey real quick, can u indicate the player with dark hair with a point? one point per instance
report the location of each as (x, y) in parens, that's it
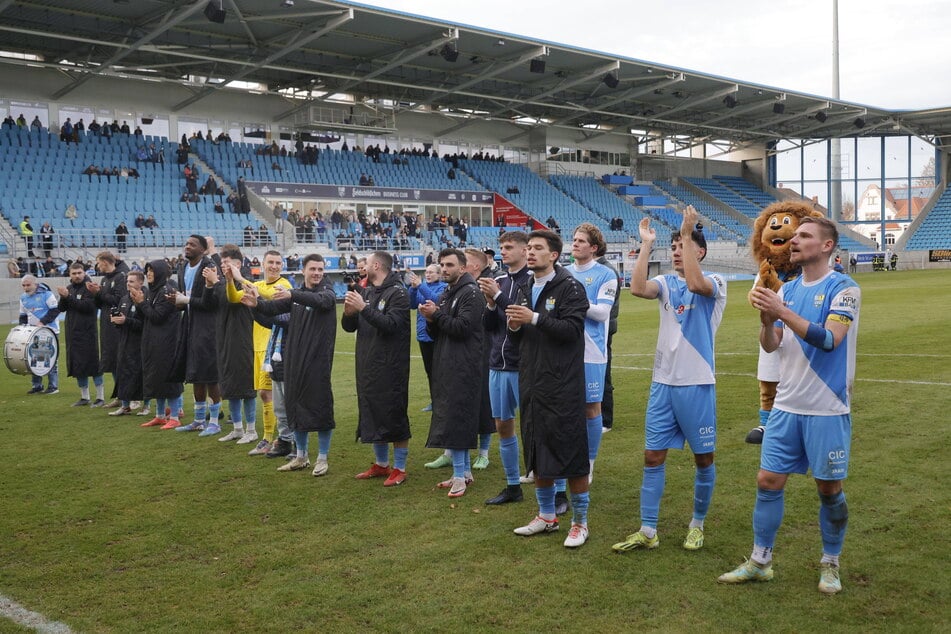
(547, 319)
(682, 403)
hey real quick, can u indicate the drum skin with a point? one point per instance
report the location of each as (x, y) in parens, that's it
(31, 350)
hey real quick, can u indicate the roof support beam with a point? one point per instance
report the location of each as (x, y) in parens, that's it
(244, 23)
(745, 109)
(399, 60)
(332, 24)
(786, 118)
(690, 103)
(580, 79)
(122, 54)
(497, 69)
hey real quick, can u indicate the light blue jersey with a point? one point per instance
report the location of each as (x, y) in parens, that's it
(813, 381)
(688, 325)
(600, 285)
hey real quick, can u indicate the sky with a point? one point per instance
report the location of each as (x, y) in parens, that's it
(892, 54)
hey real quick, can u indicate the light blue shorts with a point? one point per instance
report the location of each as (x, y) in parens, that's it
(594, 381)
(795, 443)
(503, 393)
(678, 413)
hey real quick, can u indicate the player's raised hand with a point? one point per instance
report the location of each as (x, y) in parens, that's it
(689, 222)
(647, 232)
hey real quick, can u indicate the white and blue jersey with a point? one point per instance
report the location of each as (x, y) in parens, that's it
(813, 381)
(40, 308)
(600, 285)
(688, 325)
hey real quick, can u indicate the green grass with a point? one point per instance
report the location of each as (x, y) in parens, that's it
(111, 528)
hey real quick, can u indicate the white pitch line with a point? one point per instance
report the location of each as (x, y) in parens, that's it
(15, 612)
(753, 375)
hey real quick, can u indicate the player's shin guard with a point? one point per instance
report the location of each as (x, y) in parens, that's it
(703, 482)
(270, 422)
(399, 457)
(833, 520)
(595, 431)
(546, 501)
(250, 406)
(767, 517)
(508, 452)
(579, 507)
(381, 454)
(234, 408)
(651, 491)
(323, 443)
(200, 409)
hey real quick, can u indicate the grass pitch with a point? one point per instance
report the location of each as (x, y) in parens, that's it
(111, 528)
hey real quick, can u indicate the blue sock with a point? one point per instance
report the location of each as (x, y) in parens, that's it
(250, 406)
(703, 481)
(561, 485)
(323, 442)
(763, 416)
(200, 411)
(651, 491)
(833, 520)
(214, 411)
(300, 437)
(508, 452)
(175, 405)
(595, 426)
(160, 408)
(459, 459)
(468, 466)
(546, 500)
(399, 457)
(485, 440)
(234, 408)
(381, 453)
(767, 516)
(579, 507)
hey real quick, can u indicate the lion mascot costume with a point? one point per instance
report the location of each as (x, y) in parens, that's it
(769, 242)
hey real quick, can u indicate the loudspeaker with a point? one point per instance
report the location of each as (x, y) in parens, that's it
(729, 101)
(537, 66)
(147, 120)
(610, 80)
(779, 108)
(821, 116)
(859, 123)
(449, 53)
(215, 13)
(554, 150)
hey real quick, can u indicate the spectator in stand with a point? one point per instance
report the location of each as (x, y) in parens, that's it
(36, 124)
(71, 214)
(21, 121)
(122, 232)
(26, 232)
(46, 238)
(124, 129)
(219, 208)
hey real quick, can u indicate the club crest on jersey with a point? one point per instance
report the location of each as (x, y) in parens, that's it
(817, 300)
(550, 304)
(381, 305)
(588, 281)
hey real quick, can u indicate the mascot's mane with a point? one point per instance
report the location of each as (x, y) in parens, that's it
(779, 260)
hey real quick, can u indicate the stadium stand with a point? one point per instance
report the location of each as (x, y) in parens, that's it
(607, 205)
(746, 189)
(41, 176)
(934, 230)
(727, 225)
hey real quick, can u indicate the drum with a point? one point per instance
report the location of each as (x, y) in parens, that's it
(31, 350)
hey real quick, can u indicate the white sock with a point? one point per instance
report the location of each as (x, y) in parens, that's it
(830, 559)
(696, 524)
(762, 555)
(101, 392)
(649, 531)
(84, 392)
(239, 426)
(322, 456)
(484, 453)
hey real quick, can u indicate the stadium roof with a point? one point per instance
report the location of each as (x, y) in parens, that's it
(463, 72)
